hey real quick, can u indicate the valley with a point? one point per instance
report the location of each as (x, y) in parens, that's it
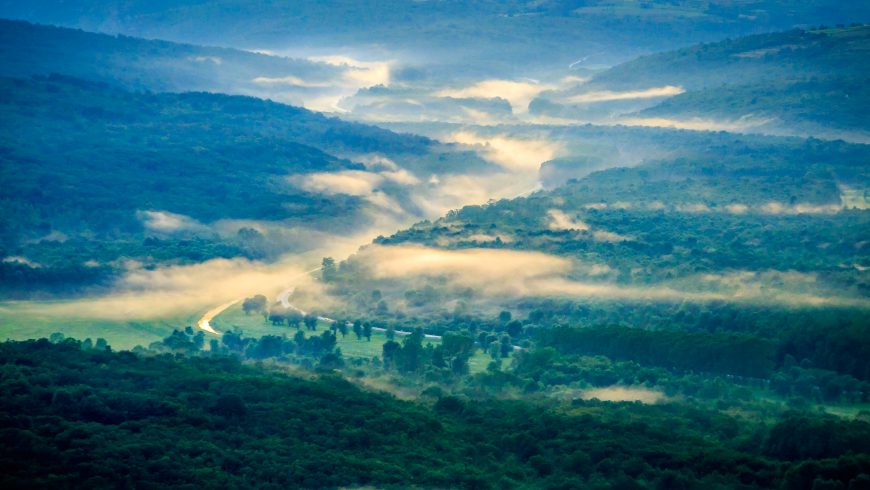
(592, 244)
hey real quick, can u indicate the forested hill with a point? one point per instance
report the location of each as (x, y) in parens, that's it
(804, 82)
(141, 64)
(97, 143)
(78, 417)
(790, 55)
(82, 161)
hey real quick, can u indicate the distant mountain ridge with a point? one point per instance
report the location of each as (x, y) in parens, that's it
(492, 36)
(141, 64)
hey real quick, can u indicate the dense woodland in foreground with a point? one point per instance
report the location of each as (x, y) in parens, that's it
(83, 416)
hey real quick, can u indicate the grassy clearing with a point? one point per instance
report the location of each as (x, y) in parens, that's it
(847, 411)
(234, 318)
(23, 320)
(480, 360)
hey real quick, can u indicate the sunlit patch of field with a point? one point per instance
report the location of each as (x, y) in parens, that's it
(25, 320)
(480, 360)
(616, 393)
(854, 198)
(251, 325)
(849, 411)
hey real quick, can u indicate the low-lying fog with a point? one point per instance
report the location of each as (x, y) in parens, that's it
(505, 121)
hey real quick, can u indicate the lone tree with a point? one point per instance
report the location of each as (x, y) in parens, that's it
(382, 308)
(328, 271)
(257, 304)
(514, 328)
(389, 351)
(310, 322)
(506, 346)
(294, 319)
(277, 317)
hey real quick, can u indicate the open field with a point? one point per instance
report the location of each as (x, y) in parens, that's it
(24, 320)
(234, 318)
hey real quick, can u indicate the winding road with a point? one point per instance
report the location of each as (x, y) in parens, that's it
(204, 323)
(283, 298)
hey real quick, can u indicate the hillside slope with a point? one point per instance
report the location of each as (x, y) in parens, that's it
(796, 82)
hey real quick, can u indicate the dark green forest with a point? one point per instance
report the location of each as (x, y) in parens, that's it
(77, 415)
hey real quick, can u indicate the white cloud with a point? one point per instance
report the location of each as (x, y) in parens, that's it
(350, 182)
(178, 290)
(519, 94)
(289, 80)
(518, 154)
(326, 94)
(607, 95)
(561, 221)
(737, 208)
(166, 222)
(400, 176)
(774, 207)
(513, 273)
(609, 236)
(374, 161)
(216, 60)
(360, 74)
(693, 208)
(17, 259)
(741, 124)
